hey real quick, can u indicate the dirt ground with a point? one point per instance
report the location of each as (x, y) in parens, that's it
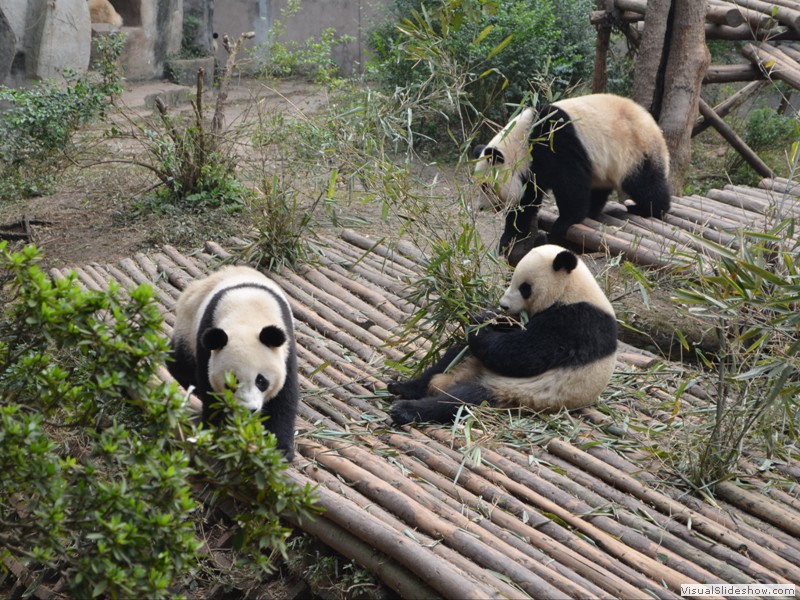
(91, 219)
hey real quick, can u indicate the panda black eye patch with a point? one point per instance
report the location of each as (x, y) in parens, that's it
(525, 290)
(261, 383)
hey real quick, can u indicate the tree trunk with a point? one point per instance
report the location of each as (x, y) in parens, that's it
(669, 71)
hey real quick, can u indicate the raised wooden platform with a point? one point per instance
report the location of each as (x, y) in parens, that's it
(694, 225)
(572, 506)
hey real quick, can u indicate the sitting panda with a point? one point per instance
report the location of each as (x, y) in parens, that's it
(237, 320)
(581, 148)
(563, 357)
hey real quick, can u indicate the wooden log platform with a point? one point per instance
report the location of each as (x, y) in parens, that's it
(511, 505)
(694, 224)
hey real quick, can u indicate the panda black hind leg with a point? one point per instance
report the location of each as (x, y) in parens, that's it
(440, 408)
(649, 189)
(418, 387)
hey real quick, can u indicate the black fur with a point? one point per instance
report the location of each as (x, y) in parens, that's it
(562, 336)
(189, 366)
(560, 162)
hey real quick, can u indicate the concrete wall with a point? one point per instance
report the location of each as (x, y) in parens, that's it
(52, 36)
(347, 17)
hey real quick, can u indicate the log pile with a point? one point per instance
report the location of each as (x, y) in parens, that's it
(561, 508)
(692, 222)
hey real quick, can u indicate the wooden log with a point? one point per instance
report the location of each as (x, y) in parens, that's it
(721, 560)
(747, 33)
(782, 568)
(774, 63)
(408, 501)
(638, 6)
(724, 14)
(730, 73)
(455, 560)
(759, 505)
(785, 16)
(450, 464)
(734, 140)
(599, 18)
(378, 247)
(731, 103)
(435, 572)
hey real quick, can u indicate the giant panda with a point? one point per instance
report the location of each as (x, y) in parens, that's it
(238, 320)
(581, 148)
(563, 357)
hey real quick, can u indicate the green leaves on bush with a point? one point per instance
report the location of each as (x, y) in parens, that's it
(39, 122)
(94, 488)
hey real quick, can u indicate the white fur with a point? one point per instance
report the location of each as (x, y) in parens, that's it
(570, 387)
(550, 286)
(616, 132)
(241, 314)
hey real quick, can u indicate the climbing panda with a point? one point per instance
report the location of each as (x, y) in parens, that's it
(563, 357)
(580, 148)
(237, 320)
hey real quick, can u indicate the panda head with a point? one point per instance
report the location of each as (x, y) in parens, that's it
(501, 166)
(549, 275)
(256, 357)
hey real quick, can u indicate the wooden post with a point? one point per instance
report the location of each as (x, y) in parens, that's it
(600, 76)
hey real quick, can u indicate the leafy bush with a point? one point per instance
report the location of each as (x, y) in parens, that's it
(502, 48)
(38, 122)
(750, 296)
(94, 488)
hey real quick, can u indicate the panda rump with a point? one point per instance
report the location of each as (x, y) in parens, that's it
(562, 358)
(582, 149)
(238, 320)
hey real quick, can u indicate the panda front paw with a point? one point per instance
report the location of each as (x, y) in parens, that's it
(404, 412)
(409, 389)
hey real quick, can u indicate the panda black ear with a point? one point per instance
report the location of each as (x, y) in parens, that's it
(214, 339)
(478, 151)
(494, 156)
(272, 336)
(565, 260)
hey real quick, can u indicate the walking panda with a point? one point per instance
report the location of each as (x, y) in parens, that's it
(563, 357)
(582, 149)
(238, 320)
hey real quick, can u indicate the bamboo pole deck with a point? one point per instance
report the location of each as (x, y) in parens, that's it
(572, 512)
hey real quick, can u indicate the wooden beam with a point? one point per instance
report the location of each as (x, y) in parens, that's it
(728, 73)
(774, 63)
(731, 103)
(734, 140)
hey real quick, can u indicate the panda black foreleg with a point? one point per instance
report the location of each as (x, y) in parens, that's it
(573, 194)
(440, 408)
(418, 387)
(598, 201)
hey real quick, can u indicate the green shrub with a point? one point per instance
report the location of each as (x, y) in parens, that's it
(502, 49)
(38, 122)
(94, 488)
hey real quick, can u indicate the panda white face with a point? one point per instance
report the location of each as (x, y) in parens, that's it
(501, 162)
(257, 359)
(547, 275)
(541, 279)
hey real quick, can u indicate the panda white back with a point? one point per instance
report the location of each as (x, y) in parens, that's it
(604, 119)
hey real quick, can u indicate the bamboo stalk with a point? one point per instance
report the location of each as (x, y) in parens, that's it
(757, 504)
(378, 247)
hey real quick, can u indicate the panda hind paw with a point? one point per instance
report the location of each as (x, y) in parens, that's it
(404, 412)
